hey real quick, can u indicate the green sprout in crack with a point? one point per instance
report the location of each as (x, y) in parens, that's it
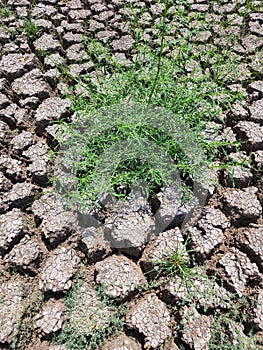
(30, 29)
(175, 262)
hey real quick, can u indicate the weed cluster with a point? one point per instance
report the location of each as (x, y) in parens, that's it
(171, 71)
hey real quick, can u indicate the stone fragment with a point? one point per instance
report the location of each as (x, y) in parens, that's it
(209, 231)
(11, 308)
(12, 229)
(25, 255)
(58, 270)
(31, 84)
(129, 225)
(51, 109)
(239, 270)
(119, 276)
(151, 317)
(242, 206)
(50, 318)
(197, 329)
(251, 135)
(15, 65)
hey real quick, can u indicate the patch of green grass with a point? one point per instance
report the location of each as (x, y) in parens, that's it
(176, 262)
(6, 11)
(228, 331)
(158, 75)
(90, 320)
(30, 29)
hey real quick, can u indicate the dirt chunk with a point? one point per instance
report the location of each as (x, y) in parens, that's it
(121, 342)
(11, 308)
(151, 317)
(25, 255)
(47, 43)
(250, 240)
(129, 225)
(58, 271)
(31, 84)
(171, 211)
(166, 243)
(119, 275)
(242, 206)
(258, 312)
(239, 270)
(20, 195)
(256, 111)
(198, 289)
(209, 231)
(12, 228)
(52, 108)
(197, 331)
(14, 65)
(123, 44)
(251, 135)
(51, 318)
(93, 244)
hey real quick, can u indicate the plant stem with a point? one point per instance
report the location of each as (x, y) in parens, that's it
(159, 62)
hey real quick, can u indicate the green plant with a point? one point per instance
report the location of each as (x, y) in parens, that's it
(25, 328)
(5, 11)
(228, 327)
(92, 318)
(30, 29)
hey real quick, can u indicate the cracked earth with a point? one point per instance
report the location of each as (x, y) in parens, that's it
(45, 251)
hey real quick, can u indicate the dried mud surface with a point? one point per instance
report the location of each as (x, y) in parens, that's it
(43, 248)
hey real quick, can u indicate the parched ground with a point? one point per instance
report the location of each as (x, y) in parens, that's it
(61, 284)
